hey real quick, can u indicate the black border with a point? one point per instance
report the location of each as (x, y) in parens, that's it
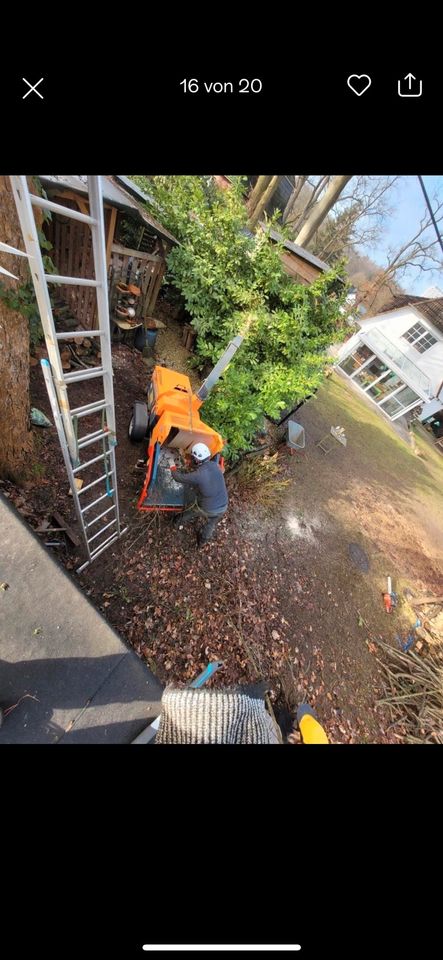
(109, 107)
(113, 847)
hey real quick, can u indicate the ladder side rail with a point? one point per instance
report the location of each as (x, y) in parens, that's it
(32, 245)
(46, 368)
(101, 275)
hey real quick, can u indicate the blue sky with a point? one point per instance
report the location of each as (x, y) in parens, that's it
(408, 206)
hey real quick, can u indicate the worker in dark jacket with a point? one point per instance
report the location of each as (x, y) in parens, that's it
(210, 487)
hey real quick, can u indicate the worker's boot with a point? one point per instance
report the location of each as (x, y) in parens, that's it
(208, 530)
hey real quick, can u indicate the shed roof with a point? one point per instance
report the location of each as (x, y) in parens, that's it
(299, 251)
(114, 194)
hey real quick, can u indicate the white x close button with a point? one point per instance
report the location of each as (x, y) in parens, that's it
(33, 88)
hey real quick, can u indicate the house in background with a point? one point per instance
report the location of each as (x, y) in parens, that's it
(351, 309)
(396, 358)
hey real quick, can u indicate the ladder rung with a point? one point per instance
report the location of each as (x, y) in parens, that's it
(87, 375)
(95, 502)
(106, 527)
(91, 522)
(58, 208)
(73, 281)
(94, 482)
(86, 334)
(93, 438)
(5, 248)
(114, 537)
(89, 408)
(90, 462)
(101, 546)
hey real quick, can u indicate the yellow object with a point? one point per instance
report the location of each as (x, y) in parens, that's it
(78, 485)
(311, 730)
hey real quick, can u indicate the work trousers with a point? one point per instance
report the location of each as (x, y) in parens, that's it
(211, 520)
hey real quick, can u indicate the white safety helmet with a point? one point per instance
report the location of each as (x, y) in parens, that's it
(201, 452)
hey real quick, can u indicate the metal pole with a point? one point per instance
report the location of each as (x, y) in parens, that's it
(220, 366)
(428, 204)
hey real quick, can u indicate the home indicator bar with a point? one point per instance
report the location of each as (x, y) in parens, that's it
(222, 947)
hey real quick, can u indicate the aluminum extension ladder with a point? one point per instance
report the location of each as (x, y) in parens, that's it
(57, 382)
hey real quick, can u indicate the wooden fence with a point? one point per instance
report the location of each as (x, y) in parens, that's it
(146, 270)
(72, 256)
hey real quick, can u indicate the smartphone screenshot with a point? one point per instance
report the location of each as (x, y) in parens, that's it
(221, 439)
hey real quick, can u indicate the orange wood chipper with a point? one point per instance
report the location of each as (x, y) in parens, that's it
(170, 424)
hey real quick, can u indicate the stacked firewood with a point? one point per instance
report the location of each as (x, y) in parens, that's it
(75, 352)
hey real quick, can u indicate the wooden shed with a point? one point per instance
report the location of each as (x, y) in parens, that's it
(136, 243)
(298, 262)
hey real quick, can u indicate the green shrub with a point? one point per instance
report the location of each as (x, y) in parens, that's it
(229, 280)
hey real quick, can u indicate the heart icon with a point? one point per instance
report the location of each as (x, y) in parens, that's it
(359, 83)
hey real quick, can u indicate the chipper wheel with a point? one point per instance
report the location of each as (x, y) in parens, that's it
(138, 424)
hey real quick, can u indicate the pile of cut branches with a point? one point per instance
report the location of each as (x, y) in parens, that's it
(414, 693)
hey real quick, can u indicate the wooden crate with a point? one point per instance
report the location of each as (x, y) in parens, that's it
(146, 270)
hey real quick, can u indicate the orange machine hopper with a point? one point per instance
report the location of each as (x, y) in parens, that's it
(174, 411)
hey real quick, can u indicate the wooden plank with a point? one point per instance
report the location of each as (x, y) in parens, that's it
(91, 296)
(157, 279)
(85, 272)
(70, 254)
(72, 536)
(420, 603)
(297, 267)
(139, 254)
(111, 232)
(69, 291)
(158, 282)
(64, 241)
(57, 247)
(64, 245)
(83, 206)
(148, 283)
(77, 270)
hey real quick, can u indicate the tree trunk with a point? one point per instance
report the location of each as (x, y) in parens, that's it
(321, 210)
(262, 202)
(256, 193)
(299, 183)
(298, 220)
(16, 442)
